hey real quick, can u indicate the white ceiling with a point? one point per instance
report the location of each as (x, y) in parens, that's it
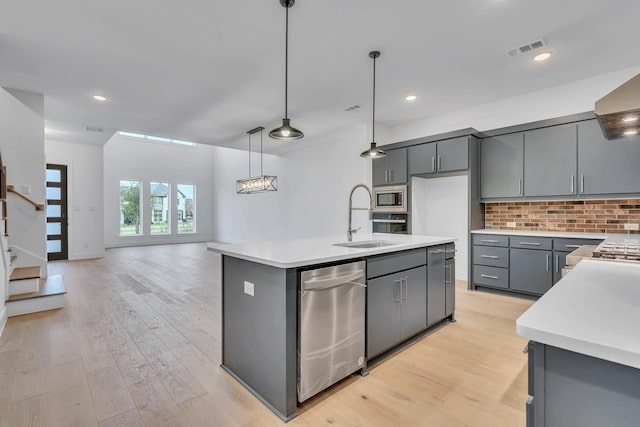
(208, 71)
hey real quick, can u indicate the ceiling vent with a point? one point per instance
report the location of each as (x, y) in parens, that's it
(352, 108)
(93, 129)
(526, 48)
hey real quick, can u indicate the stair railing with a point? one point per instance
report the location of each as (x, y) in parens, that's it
(38, 206)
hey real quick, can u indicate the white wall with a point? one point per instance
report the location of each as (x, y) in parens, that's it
(439, 207)
(85, 199)
(247, 217)
(22, 147)
(138, 160)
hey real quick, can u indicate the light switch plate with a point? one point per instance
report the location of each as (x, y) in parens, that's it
(26, 189)
(511, 224)
(248, 288)
(630, 227)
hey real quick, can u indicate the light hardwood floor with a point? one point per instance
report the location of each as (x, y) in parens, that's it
(139, 344)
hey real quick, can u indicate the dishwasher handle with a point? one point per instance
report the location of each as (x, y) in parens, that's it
(331, 282)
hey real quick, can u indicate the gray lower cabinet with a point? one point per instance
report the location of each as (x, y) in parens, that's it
(450, 284)
(606, 167)
(501, 166)
(559, 261)
(391, 169)
(570, 389)
(530, 270)
(437, 287)
(438, 157)
(550, 162)
(396, 308)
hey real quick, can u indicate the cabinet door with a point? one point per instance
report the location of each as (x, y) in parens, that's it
(436, 288)
(607, 167)
(501, 166)
(422, 159)
(414, 301)
(550, 161)
(383, 313)
(530, 271)
(453, 154)
(380, 171)
(450, 283)
(559, 261)
(397, 165)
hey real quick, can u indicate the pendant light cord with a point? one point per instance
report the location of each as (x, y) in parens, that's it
(249, 155)
(286, 61)
(373, 124)
(261, 173)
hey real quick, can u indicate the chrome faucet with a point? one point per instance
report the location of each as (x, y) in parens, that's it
(350, 231)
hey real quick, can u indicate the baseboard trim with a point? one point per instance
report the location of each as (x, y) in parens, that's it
(87, 255)
(3, 318)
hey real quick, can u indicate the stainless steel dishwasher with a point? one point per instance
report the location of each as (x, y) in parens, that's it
(331, 326)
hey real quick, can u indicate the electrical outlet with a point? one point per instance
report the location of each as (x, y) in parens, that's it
(631, 227)
(511, 224)
(248, 288)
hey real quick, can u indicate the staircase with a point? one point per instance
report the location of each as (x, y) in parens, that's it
(30, 293)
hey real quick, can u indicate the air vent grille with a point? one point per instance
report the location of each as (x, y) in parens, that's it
(536, 44)
(352, 108)
(93, 129)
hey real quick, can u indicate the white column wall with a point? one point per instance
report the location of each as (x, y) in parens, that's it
(85, 200)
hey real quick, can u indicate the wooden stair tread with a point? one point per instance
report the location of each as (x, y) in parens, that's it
(52, 285)
(23, 273)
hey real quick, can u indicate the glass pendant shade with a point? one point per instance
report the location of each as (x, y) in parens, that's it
(373, 152)
(286, 132)
(256, 184)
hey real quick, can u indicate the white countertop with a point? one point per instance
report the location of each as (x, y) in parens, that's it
(561, 234)
(301, 252)
(593, 310)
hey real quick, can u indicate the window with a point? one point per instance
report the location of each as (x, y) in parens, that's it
(186, 208)
(156, 138)
(159, 192)
(130, 208)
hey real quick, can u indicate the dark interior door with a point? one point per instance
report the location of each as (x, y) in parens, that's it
(57, 224)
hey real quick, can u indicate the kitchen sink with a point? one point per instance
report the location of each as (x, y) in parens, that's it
(365, 244)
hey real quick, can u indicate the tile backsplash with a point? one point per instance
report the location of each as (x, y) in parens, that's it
(591, 216)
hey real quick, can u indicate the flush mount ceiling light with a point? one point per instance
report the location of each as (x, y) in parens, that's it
(543, 56)
(373, 152)
(410, 98)
(257, 184)
(286, 132)
(100, 98)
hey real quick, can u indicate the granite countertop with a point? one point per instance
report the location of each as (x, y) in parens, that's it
(302, 252)
(593, 310)
(565, 234)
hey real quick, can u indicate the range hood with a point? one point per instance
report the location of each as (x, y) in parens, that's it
(619, 111)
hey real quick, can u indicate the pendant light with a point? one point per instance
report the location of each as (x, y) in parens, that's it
(286, 132)
(258, 184)
(373, 152)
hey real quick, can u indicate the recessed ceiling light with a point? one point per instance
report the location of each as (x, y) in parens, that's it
(543, 56)
(631, 132)
(630, 119)
(411, 97)
(99, 98)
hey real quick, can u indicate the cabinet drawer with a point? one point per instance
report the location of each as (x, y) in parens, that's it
(491, 276)
(397, 261)
(490, 240)
(527, 242)
(570, 245)
(487, 255)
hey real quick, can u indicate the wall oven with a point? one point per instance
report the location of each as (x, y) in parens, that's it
(390, 199)
(390, 223)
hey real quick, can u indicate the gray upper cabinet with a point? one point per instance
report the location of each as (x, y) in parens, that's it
(550, 161)
(607, 167)
(436, 157)
(501, 165)
(391, 169)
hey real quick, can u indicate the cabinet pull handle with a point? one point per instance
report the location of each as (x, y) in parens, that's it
(486, 276)
(439, 163)
(490, 256)
(405, 288)
(530, 243)
(433, 163)
(573, 246)
(582, 183)
(573, 184)
(557, 263)
(548, 260)
(520, 187)
(399, 290)
(390, 176)
(447, 271)
(490, 241)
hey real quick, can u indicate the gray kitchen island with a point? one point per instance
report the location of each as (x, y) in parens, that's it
(299, 315)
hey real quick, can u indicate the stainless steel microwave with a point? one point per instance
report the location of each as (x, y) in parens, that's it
(390, 199)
